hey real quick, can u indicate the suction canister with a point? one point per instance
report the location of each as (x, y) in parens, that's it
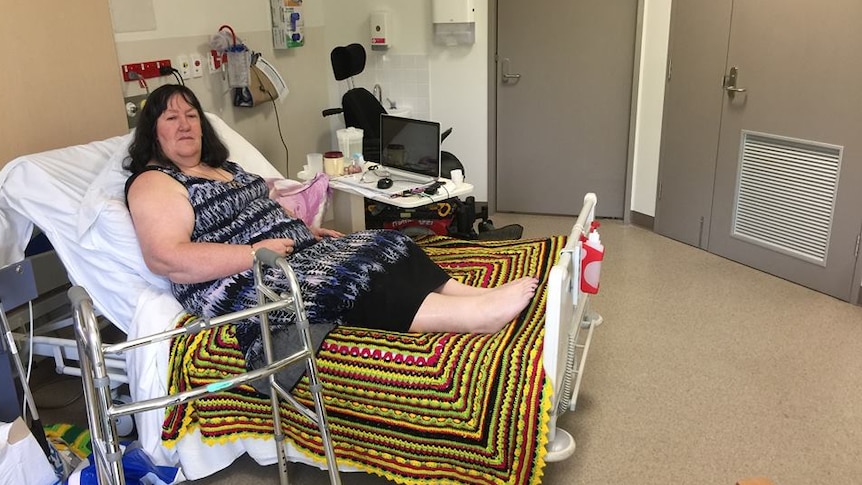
(350, 141)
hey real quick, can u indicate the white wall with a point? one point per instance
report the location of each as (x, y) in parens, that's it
(203, 17)
(348, 21)
(459, 99)
(650, 104)
(457, 76)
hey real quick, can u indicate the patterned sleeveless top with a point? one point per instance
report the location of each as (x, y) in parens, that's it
(332, 272)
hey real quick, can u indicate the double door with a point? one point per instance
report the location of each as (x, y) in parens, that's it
(761, 159)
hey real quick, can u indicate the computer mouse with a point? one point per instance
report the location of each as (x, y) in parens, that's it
(384, 183)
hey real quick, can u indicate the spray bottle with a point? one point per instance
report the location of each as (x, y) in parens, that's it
(592, 254)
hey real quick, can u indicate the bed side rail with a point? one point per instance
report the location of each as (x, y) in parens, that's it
(569, 329)
(564, 296)
(101, 411)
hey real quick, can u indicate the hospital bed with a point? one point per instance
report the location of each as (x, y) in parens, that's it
(416, 408)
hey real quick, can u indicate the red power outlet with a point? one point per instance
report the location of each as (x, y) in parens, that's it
(145, 69)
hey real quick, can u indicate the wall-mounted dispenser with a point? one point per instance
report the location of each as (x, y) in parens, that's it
(380, 30)
(454, 21)
(287, 24)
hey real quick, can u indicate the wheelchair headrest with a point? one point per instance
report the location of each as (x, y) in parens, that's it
(347, 61)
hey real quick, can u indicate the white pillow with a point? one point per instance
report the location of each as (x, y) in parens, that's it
(108, 186)
(241, 151)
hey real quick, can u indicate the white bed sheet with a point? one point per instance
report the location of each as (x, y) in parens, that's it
(75, 195)
(46, 189)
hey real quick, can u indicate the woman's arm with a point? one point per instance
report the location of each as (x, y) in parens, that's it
(164, 220)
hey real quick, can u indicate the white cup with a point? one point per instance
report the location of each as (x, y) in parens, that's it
(457, 176)
(315, 163)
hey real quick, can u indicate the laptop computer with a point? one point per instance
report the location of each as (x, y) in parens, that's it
(410, 147)
(409, 155)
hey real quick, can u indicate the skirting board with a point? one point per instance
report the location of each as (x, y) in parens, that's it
(643, 220)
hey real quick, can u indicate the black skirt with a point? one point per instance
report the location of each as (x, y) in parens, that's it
(396, 294)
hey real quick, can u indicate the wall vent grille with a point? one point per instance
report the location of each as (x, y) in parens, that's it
(781, 183)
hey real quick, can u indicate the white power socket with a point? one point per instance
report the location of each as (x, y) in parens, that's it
(197, 66)
(184, 67)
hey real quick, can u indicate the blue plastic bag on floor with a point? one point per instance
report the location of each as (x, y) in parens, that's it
(138, 469)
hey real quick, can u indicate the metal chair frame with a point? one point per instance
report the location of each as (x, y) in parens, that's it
(101, 411)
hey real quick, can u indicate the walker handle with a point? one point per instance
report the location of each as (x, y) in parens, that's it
(267, 256)
(77, 295)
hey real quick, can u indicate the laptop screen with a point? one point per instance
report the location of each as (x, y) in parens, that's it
(411, 145)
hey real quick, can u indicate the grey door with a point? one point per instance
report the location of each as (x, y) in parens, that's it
(564, 73)
(697, 50)
(789, 165)
(788, 161)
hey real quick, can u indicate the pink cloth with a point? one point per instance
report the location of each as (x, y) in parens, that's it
(306, 201)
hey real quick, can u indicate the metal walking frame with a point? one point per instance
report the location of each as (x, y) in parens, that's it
(101, 411)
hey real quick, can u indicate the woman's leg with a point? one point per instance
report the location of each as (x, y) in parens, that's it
(483, 312)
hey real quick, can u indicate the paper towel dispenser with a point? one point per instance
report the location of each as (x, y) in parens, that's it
(454, 21)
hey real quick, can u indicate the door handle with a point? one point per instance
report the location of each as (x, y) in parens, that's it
(730, 82)
(507, 76)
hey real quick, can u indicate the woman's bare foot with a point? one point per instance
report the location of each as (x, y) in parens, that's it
(501, 305)
(485, 312)
(517, 282)
(456, 288)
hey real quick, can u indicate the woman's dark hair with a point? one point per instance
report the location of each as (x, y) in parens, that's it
(145, 146)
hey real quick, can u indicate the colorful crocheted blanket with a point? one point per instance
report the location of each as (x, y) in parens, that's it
(414, 408)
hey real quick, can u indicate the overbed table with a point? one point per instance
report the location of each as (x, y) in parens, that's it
(348, 202)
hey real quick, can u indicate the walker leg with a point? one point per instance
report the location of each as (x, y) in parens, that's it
(97, 391)
(301, 325)
(323, 422)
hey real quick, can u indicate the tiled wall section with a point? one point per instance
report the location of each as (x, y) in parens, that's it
(403, 78)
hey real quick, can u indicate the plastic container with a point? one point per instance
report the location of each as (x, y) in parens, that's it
(591, 263)
(238, 65)
(333, 163)
(315, 163)
(358, 164)
(350, 140)
(457, 176)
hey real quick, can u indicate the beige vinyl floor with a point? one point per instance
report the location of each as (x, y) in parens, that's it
(703, 372)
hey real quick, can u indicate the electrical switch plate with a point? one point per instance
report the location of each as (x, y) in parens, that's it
(197, 65)
(184, 67)
(134, 105)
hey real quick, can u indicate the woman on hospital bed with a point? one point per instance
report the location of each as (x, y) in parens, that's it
(199, 218)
